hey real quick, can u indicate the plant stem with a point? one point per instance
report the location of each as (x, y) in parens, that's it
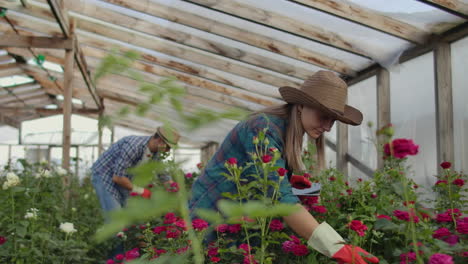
(182, 193)
(450, 199)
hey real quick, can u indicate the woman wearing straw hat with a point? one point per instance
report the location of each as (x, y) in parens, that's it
(311, 109)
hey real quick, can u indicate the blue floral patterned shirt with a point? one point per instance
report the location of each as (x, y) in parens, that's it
(209, 186)
(122, 155)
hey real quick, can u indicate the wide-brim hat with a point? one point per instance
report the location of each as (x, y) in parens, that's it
(169, 135)
(326, 91)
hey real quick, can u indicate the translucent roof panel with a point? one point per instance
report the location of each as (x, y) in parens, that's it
(47, 65)
(380, 46)
(351, 59)
(48, 130)
(15, 80)
(413, 12)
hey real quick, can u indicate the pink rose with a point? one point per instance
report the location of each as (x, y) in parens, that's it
(300, 250)
(402, 215)
(462, 226)
(212, 251)
(401, 148)
(441, 232)
(215, 259)
(407, 257)
(159, 229)
(173, 234)
(249, 259)
(222, 228)
(199, 224)
(234, 229)
(276, 225)
(170, 218)
(188, 175)
(3, 240)
(245, 248)
(451, 240)
(319, 209)
(266, 158)
(132, 254)
(384, 217)
(439, 258)
(232, 161)
(358, 226)
(282, 171)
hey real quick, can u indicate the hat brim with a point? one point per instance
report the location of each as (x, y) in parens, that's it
(351, 115)
(166, 140)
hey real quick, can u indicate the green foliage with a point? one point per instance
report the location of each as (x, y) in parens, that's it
(38, 239)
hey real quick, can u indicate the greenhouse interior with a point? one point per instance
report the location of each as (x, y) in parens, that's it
(161, 131)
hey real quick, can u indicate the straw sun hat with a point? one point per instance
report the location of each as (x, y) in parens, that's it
(327, 92)
(169, 135)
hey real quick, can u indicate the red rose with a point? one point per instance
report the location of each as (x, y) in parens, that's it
(266, 158)
(282, 171)
(446, 165)
(232, 161)
(401, 148)
(300, 182)
(459, 182)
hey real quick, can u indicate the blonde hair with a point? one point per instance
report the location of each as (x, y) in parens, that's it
(294, 133)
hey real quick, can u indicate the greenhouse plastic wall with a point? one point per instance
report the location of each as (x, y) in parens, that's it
(361, 143)
(412, 98)
(460, 104)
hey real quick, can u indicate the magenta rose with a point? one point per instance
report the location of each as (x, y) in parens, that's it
(401, 148)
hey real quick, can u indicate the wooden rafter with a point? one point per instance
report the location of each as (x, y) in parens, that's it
(14, 40)
(61, 16)
(370, 18)
(196, 81)
(9, 121)
(235, 33)
(143, 40)
(173, 36)
(281, 22)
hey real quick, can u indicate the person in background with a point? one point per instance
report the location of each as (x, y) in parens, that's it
(312, 109)
(109, 173)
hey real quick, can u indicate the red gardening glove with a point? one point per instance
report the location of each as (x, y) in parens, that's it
(146, 194)
(300, 182)
(143, 192)
(327, 241)
(354, 255)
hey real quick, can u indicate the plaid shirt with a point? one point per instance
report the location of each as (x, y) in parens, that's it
(209, 186)
(122, 155)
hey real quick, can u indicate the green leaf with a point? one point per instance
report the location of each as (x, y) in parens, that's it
(230, 208)
(138, 210)
(385, 224)
(144, 173)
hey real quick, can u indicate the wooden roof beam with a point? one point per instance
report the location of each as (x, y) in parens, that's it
(9, 121)
(239, 34)
(369, 18)
(281, 22)
(18, 41)
(266, 98)
(454, 7)
(146, 41)
(63, 21)
(183, 38)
